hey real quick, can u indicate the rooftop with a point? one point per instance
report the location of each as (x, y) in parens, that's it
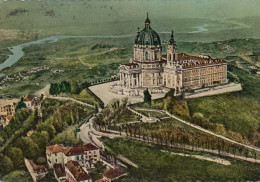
(29, 97)
(56, 148)
(73, 151)
(195, 61)
(113, 173)
(89, 146)
(77, 171)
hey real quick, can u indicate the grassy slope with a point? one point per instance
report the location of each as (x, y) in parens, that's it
(84, 96)
(237, 111)
(159, 166)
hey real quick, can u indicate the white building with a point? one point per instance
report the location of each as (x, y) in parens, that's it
(54, 154)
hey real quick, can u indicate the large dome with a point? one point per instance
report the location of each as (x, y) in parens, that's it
(147, 36)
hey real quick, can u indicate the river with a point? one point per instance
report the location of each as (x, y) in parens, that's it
(18, 50)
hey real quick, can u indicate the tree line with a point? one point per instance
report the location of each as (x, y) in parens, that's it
(169, 135)
(110, 113)
(67, 87)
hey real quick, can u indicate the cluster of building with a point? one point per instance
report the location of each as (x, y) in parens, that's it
(8, 107)
(72, 164)
(174, 70)
(7, 111)
(19, 76)
(38, 69)
(14, 77)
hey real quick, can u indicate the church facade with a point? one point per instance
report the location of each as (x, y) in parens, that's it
(150, 69)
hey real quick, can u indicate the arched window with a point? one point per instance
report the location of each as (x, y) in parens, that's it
(146, 55)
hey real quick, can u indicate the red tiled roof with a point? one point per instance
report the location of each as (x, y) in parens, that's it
(198, 61)
(77, 171)
(73, 151)
(56, 148)
(113, 173)
(89, 146)
(59, 170)
(29, 97)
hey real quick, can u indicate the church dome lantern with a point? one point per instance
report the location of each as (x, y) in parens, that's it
(148, 36)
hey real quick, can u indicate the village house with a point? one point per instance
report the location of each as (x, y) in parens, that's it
(37, 171)
(54, 154)
(74, 154)
(92, 154)
(30, 100)
(76, 173)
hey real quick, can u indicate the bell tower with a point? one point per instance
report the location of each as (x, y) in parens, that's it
(172, 49)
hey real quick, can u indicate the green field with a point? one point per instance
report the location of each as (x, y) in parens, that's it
(95, 64)
(156, 165)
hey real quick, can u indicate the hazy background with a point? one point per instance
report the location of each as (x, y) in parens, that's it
(192, 20)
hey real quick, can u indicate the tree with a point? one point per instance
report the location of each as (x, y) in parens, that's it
(6, 165)
(147, 97)
(170, 93)
(16, 155)
(36, 117)
(40, 139)
(29, 148)
(41, 160)
(18, 176)
(65, 87)
(54, 89)
(75, 89)
(21, 104)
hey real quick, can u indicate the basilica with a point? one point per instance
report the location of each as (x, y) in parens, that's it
(149, 68)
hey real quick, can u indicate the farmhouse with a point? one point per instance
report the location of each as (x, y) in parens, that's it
(174, 70)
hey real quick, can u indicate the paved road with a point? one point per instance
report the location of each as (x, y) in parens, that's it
(211, 159)
(202, 129)
(187, 147)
